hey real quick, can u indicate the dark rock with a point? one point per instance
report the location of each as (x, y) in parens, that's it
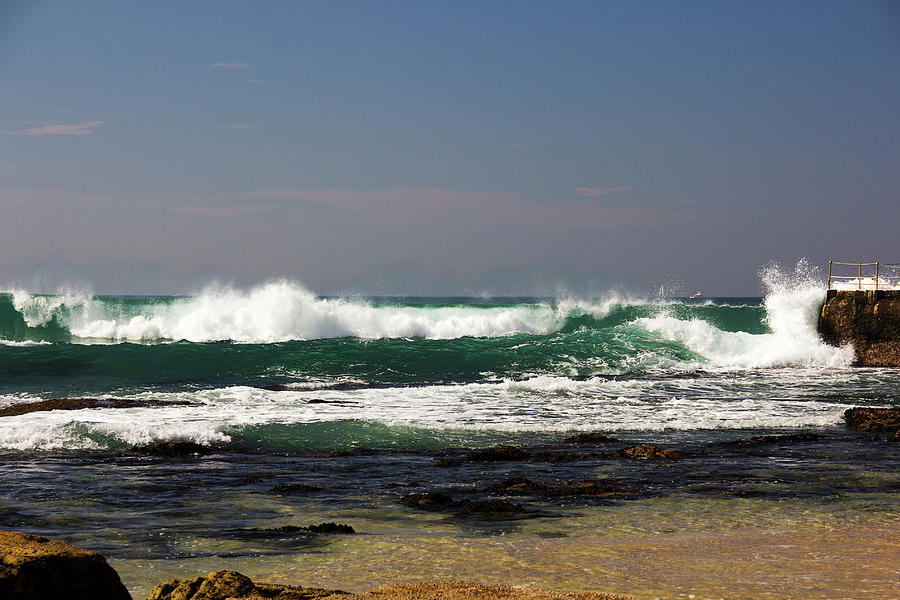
(497, 454)
(590, 437)
(36, 568)
(291, 531)
(647, 451)
(428, 500)
(761, 440)
(517, 486)
(174, 449)
(488, 508)
(592, 488)
(295, 488)
(877, 420)
(555, 457)
(80, 403)
(331, 528)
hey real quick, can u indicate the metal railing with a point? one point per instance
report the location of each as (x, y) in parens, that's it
(868, 276)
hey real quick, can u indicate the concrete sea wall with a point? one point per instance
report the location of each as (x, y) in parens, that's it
(868, 319)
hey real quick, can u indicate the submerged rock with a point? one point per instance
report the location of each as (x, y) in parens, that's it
(295, 488)
(37, 568)
(428, 500)
(591, 488)
(517, 486)
(497, 454)
(761, 440)
(488, 508)
(647, 451)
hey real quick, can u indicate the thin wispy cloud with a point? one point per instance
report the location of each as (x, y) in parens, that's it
(85, 128)
(589, 192)
(239, 127)
(231, 65)
(225, 210)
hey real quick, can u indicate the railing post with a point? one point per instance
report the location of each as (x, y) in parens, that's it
(876, 275)
(860, 275)
(829, 274)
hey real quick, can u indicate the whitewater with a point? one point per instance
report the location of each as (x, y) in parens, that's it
(277, 367)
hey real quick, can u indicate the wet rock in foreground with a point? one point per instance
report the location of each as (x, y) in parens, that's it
(222, 585)
(36, 568)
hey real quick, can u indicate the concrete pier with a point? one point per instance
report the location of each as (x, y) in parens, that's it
(868, 319)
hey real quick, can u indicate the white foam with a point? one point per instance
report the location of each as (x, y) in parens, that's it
(792, 304)
(772, 398)
(280, 311)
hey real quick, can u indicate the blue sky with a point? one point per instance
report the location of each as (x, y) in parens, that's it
(445, 147)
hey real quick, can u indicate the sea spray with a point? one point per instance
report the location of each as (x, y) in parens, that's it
(792, 302)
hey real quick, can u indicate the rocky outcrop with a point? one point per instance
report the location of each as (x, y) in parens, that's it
(36, 568)
(875, 420)
(869, 320)
(231, 585)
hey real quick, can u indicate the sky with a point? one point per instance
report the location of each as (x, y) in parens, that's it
(431, 148)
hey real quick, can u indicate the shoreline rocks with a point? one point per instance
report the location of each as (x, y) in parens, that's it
(37, 568)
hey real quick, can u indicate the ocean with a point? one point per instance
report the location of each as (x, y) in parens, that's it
(336, 409)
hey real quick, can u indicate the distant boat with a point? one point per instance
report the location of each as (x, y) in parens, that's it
(662, 292)
(697, 295)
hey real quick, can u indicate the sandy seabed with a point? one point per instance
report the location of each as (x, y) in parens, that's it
(673, 548)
